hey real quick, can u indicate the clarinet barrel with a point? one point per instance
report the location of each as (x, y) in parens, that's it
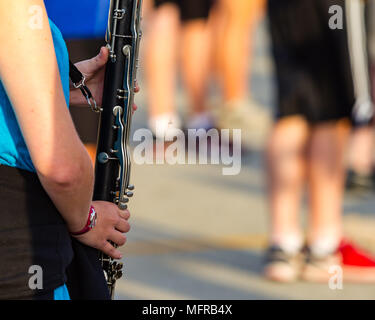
(112, 168)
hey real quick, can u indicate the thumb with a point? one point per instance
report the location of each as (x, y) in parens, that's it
(102, 58)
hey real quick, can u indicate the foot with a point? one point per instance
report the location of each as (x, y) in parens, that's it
(253, 120)
(201, 120)
(281, 266)
(357, 265)
(164, 126)
(360, 182)
(318, 268)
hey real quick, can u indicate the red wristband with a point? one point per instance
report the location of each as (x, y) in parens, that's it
(91, 221)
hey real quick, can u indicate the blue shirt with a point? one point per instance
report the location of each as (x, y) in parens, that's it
(13, 150)
(61, 293)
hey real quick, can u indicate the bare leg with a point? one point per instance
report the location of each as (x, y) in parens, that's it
(195, 54)
(235, 22)
(361, 156)
(161, 59)
(286, 175)
(326, 179)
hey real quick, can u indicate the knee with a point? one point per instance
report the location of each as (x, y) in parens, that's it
(286, 149)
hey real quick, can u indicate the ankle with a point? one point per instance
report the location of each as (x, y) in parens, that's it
(325, 244)
(290, 242)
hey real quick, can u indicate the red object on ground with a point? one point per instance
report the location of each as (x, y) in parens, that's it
(352, 256)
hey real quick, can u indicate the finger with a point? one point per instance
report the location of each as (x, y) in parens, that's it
(125, 214)
(134, 107)
(123, 226)
(117, 237)
(111, 251)
(137, 88)
(102, 58)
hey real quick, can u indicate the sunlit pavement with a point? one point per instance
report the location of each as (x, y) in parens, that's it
(197, 234)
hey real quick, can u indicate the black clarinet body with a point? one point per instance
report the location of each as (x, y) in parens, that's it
(112, 168)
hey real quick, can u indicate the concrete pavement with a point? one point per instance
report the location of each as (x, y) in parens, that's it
(199, 235)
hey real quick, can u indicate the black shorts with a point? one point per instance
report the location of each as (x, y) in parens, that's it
(312, 61)
(190, 9)
(32, 233)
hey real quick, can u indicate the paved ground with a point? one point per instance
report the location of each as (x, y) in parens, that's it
(199, 235)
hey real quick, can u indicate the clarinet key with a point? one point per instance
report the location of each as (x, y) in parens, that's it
(118, 274)
(122, 206)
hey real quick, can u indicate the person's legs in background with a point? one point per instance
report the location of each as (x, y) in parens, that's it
(325, 179)
(326, 244)
(235, 29)
(361, 171)
(325, 101)
(234, 24)
(161, 59)
(298, 153)
(195, 60)
(326, 172)
(361, 159)
(286, 168)
(178, 28)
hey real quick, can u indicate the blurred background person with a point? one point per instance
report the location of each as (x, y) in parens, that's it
(371, 39)
(177, 31)
(361, 175)
(308, 143)
(233, 26)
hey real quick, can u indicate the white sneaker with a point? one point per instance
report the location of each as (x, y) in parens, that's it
(201, 120)
(253, 120)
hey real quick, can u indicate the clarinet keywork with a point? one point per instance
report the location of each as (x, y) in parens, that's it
(112, 168)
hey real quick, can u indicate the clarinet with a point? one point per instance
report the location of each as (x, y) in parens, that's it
(112, 168)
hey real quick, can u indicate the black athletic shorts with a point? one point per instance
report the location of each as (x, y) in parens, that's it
(32, 233)
(312, 61)
(190, 9)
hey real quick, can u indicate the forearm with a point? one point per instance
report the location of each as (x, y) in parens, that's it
(71, 196)
(76, 98)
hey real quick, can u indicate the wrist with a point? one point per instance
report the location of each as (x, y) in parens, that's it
(90, 223)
